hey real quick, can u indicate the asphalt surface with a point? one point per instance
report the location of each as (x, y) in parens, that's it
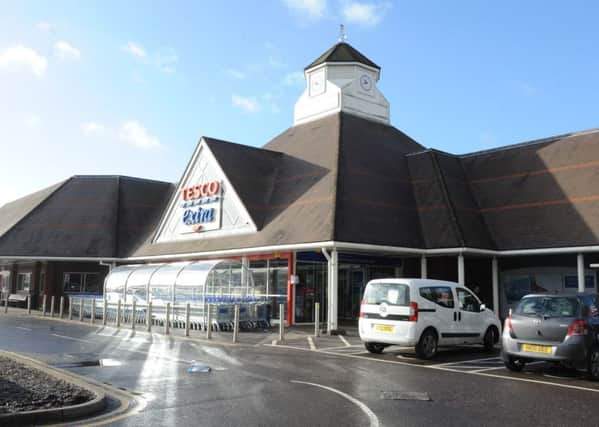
(328, 381)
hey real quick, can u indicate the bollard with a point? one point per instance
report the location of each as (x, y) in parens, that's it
(70, 308)
(133, 315)
(118, 314)
(6, 304)
(149, 317)
(187, 309)
(61, 308)
(236, 323)
(93, 311)
(28, 304)
(208, 323)
(167, 320)
(81, 307)
(52, 306)
(281, 322)
(317, 319)
(104, 308)
(43, 305)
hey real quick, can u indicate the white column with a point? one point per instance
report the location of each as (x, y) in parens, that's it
(423, 267)
(333, 295)
(245, 266)
(580, 271)
(461, 272)
(495, 274)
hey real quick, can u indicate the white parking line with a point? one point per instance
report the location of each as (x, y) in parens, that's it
(70, 338)
(374, 421)
(466, 361)
(311, 342)
(439, 367)
(24, 329)
(342, 338)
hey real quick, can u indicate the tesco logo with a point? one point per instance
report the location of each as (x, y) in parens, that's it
(201, 190)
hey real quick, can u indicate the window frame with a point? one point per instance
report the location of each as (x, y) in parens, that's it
(462, 307)
(83, 287)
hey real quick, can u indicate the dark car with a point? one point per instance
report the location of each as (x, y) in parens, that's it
(553, 328)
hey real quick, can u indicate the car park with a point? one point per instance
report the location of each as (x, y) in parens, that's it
(424, 314)
(555, 328)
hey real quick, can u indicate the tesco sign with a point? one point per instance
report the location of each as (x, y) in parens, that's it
(202, 203)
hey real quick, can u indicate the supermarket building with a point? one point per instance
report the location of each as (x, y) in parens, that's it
(339, 198)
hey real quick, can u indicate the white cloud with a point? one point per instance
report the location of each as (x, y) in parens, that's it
(365, 14)
(16, 57)
(135, 49)
(66, 51)
(248, 104)
(90, 128)
(314, 9)
(295, 78)
(134, 133)
(236, 74)
(32, 121)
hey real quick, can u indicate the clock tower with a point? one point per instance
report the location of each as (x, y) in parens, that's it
(341, 79)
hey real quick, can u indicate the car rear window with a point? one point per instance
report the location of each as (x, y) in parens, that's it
(441, 295)
(548, 307)
(390, 293)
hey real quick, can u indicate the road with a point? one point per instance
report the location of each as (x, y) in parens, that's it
(326, 382)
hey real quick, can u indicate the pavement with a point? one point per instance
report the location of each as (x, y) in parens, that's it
(304, 380)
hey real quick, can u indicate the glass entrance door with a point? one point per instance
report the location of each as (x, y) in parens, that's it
(352, 280)
(310, 290)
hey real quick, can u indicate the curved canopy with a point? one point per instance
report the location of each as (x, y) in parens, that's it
(194, 282)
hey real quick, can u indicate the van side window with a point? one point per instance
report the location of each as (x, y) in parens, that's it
(440, 295)
(468, 302)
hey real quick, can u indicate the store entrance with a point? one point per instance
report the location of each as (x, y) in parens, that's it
(352, 280)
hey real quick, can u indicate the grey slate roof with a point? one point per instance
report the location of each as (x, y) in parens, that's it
(340, 178)
(84, 216)
(342, 52)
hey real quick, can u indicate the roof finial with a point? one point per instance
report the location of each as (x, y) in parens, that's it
(342, 35)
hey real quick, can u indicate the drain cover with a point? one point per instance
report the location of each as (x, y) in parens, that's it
(405, 395)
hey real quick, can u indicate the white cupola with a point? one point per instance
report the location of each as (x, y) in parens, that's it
(341, 79)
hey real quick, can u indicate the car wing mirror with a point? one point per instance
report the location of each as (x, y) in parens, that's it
(483, 307)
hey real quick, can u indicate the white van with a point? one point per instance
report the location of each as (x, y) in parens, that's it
(424, 314)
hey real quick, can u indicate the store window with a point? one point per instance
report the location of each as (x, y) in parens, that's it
(4, 282)
(82, 283)
(23, 282)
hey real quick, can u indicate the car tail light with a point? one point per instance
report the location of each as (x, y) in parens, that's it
(578, 327)
(361, 310)
(413, 312)
(508, 324)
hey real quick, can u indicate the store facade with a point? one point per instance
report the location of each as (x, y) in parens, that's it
(338, 199)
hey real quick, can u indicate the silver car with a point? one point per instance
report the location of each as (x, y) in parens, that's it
(553, 328)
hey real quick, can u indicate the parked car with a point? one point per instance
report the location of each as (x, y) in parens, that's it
(553, 328)
(424, 314)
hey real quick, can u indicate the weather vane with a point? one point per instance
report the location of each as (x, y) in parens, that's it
(342, 35)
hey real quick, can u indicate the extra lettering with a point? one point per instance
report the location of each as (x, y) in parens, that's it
(200, 216)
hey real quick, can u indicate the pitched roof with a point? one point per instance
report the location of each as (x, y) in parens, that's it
(85, 216)
(342, 52)
(250, 170)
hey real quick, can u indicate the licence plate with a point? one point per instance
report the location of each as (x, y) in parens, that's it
(383, 328)
(532, 348)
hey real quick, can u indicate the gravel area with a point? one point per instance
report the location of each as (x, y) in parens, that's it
(26, 389)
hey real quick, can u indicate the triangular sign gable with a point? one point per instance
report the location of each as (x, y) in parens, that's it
(205, 204)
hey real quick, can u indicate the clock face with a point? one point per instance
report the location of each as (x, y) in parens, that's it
(317, 83)
(366, 82)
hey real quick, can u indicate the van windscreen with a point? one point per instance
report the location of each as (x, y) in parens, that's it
(390, 293)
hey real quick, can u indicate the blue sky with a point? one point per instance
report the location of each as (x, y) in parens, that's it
(130, 87)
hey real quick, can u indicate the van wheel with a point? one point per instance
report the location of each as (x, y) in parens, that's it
(514, 365)
(374, 347)
(489, 339)
(427, 346)
(593, 364)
